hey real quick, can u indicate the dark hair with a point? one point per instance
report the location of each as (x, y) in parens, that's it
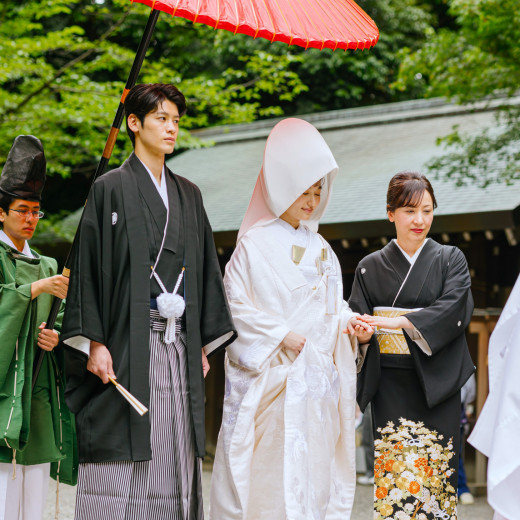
(407, 189)
(5, 203)
(146, 97)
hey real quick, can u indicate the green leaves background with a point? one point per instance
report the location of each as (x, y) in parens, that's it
(64, 63)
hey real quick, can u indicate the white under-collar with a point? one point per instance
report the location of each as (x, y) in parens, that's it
(6, 240)
(161, 188)
(413, 258)
(290, 228)
(288, 236)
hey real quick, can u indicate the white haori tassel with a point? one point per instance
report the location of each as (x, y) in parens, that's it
(170, 306)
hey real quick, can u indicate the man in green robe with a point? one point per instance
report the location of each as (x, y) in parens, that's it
(36, 429)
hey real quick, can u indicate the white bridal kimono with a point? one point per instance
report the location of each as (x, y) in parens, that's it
(286, 446)
(496, 431)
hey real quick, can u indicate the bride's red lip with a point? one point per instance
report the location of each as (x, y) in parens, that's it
(417, 230)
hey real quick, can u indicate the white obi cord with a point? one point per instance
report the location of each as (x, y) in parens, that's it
(327, 269)
(170, 305)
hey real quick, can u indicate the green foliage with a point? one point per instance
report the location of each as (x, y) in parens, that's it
(493, 156)
(339, 79)
(479, 59)
(346, 79)
(59, 227)
(64, 63)
(49, 82)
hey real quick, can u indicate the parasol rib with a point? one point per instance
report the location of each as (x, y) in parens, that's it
(339, 11)
(256, 24)
(217, 19)
(237, 17)
(327, 18)
(289, 30)
(268, 11)
(325, 23)
(302, 27)
(309, 18)
(176, 7)
(197, 12)
(357, 17)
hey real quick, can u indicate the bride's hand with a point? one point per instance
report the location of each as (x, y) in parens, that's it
(401, 322)
(294, 342)
(359, 328)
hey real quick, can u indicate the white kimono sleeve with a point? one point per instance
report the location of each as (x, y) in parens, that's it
(252, 297)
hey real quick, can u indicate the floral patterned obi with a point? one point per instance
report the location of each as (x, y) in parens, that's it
(391, 341)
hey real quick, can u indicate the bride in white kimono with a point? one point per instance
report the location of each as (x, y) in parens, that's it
(286, 445)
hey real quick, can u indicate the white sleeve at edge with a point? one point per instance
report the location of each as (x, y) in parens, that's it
(79, 343)
(416, 336)
(215, 344)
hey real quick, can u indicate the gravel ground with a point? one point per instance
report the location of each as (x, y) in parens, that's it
(480, 510)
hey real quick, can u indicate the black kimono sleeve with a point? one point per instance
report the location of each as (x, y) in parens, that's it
(83, 314)
(448, 316)
(216, 326)
(368, 376)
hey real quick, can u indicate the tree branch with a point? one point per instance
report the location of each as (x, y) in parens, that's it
(48, 84)
(239, 86)
(63, 88)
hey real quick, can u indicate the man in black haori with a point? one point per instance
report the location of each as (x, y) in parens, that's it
(146, 304)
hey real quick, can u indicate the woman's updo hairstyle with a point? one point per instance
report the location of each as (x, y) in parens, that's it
(407, 189)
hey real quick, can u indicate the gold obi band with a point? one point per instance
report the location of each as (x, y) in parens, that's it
(391, 341)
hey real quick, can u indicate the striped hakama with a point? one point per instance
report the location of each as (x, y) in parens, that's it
(169, 485)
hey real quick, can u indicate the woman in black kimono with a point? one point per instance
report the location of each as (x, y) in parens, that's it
(417, 293)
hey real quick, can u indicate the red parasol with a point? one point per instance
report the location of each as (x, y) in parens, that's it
(332, 24)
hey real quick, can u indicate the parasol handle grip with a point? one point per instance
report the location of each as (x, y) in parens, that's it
(51, 321)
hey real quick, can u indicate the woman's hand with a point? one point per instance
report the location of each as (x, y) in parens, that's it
(57, 285)
(205, 364)
(359, 328)
(294, 342)
(100, 362)
(47, 338)
(401, 322)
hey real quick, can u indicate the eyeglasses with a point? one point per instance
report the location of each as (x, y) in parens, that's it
(24, 213)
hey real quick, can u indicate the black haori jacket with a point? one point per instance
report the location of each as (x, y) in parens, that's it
(109, 301)
(439, 283)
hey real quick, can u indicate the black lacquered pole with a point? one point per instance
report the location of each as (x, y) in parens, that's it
(107, 152)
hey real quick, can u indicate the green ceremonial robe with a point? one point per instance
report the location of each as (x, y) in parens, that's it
(35, 425)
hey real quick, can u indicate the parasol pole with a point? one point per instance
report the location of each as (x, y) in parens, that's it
(107, 152)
